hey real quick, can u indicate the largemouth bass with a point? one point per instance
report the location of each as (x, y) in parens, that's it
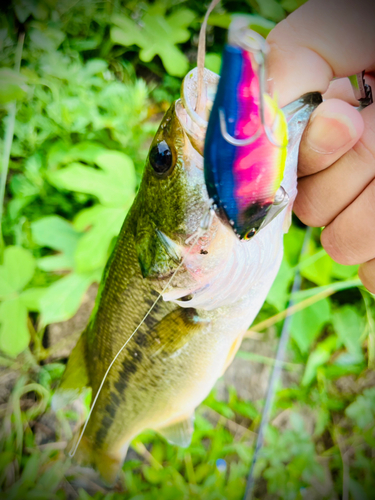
(192, 334)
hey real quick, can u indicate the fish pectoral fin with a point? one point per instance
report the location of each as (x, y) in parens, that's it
(75, 378)
(179, 433)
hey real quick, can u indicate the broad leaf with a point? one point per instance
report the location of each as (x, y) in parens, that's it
(157, 35)
(17, 270)
(84, 151)
(279, 293)
(63, 298)
(349, 326)
(271, 9)
(31, 298)
(362, 411)
(57, 233)
(58, 262)
(343, 272)
(317, 268)
(213, 62)
(12, 85)
(256, 22)
(318, 358)
(113, 184)
(47, 39)
(307, 324)
(14, 334)
(104, 224)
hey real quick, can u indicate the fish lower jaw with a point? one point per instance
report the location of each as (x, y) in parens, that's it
(249, 267)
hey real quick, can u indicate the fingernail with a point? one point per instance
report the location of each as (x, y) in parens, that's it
(329, 133)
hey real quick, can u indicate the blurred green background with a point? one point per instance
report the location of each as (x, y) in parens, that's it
(94, 81)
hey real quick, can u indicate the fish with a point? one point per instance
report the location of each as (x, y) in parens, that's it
(176, 296)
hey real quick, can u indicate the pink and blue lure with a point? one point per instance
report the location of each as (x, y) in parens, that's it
(243, 176)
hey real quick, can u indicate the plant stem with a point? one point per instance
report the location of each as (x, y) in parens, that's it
(8, 140)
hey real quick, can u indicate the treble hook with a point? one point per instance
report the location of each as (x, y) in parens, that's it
(257, 45)
(362, 91)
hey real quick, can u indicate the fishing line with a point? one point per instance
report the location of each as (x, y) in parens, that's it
(201, 56)
(205, 224)
(276, 373)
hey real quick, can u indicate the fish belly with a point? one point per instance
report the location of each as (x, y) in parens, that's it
(162, 375)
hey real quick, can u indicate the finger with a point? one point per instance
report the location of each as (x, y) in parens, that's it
(341, 89)
(322, 196)
(367, 275)
(320, 40)
(334, 128)
(350, 238)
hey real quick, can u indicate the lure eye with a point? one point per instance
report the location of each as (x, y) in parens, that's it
(161, 158)
(250, 234)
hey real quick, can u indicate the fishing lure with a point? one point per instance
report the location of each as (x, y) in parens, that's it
(247, 136)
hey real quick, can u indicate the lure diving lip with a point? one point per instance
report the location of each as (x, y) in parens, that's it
(246, 139)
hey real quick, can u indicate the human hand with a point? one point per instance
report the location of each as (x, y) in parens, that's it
(321, 40)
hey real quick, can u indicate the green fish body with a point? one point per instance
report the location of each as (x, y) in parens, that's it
(193, 332)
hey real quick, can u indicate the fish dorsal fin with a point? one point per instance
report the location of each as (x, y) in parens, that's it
(179, 433)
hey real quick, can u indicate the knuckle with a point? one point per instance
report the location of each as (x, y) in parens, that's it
(337, 245)
(310, 210)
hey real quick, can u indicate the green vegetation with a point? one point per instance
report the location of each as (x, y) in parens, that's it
(94, 80)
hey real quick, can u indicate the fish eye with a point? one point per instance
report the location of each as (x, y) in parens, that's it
(161, 158)
(250, 234)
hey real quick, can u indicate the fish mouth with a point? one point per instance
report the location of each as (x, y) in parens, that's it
(194, 124)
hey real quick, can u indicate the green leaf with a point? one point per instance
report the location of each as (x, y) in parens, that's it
(57, 233)
(30, 472)
(307, 324)
(23, 9)
(271, 9)
(317, 267)
(14, 334)
(334, 287)
(256, 22)
(357, 491)
(59, 262)
(293, 241)
(222, 20)
(104, 224)
(63, 298)
(318, 358)
(157, 34)
(292, 5)
(279, 294)
(349, 325)
(113, 184)
(12, 85)
(31, 298)
(84, 151)
(362, 411)
(343, 272)
(17, 270)
(213, 62)
(48, 39)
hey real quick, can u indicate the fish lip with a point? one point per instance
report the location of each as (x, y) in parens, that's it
(162, 277)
